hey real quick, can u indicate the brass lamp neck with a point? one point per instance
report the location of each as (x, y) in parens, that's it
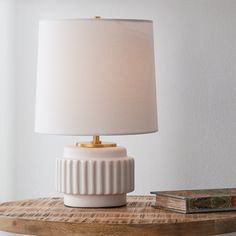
(96, 143)
(96, 139)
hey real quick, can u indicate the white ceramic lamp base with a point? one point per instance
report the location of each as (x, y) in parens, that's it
(95, 177)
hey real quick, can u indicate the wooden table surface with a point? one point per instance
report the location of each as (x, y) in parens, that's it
(49, 216)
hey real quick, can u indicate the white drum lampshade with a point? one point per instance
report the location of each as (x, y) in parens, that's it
(95, 77)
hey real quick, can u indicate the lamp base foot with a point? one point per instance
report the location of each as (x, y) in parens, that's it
(113, 200)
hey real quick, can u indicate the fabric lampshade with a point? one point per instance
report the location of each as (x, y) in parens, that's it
(96, 77)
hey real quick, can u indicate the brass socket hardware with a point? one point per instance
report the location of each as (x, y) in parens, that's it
(96, 143)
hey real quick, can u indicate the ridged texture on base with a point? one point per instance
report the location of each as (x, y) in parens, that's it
(95, 176)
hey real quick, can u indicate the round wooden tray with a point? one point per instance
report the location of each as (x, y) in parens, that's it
(49, 216)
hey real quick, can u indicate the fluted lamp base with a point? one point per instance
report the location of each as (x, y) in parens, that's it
(95, 177)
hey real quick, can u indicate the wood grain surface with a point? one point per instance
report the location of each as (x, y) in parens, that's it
(49, 216)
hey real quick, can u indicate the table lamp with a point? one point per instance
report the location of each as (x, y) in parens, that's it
(95, 77)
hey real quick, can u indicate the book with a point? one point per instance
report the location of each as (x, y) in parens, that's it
(198, 200)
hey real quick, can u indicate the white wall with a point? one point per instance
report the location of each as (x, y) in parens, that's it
(7, 121)
(7, 102)
(195, 45)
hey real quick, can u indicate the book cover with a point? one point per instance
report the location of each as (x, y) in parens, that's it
(199, 200)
